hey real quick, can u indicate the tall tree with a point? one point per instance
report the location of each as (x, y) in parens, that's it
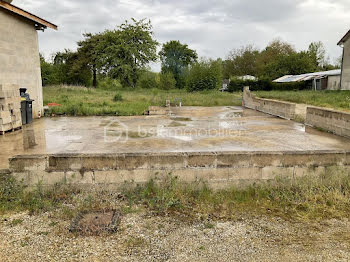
(176, 58)
(317, 51)
(242, 61)
(126, 50)
(89, 55)
(276, 49)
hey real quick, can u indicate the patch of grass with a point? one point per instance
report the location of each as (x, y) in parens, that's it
(181, 119)
(310, 197)
(332, 99)
(306, 198)
(175, 124)
(16, 222)
(77, 101)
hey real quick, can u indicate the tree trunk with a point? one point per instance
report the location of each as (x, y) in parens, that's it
(94, 76)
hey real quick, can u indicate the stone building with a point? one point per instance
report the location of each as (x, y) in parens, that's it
(19, 51)
(345, 76)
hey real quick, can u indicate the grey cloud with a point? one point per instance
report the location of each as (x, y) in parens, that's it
(212, 27)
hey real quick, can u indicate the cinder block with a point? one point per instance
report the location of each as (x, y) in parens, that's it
(5, 120)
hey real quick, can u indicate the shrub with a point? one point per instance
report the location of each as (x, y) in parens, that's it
(204, 75)
(109, 84)
(117, 98)
(148, 80)
(237, 85)
(167, 81)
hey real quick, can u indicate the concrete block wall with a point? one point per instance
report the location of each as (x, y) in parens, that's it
(10, 108)
(333, 121)
(281, 109)
(19, 57)
(219, 170)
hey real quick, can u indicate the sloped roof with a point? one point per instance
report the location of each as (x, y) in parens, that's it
(305, 77)
(345, 38)
(39, 22)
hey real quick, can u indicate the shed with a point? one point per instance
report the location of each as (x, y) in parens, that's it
(329, 80)
(19, 51)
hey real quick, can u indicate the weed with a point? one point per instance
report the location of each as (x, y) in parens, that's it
(118, 98)
(16, 222)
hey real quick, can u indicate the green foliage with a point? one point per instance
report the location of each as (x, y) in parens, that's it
(14, 196)
(307, 197)
(237, 85)
(277, 59)
(120, 54)
(167, 81)
(148, 80)
(118, 98)
(127, 50)
(176, 58)
(204, 75)
(242, 61)
(108, 83)
(89, 55)
(293, 64)
(79, 101)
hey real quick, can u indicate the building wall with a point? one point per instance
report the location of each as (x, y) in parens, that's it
(19, 57)
(333, 83)
(345, 82)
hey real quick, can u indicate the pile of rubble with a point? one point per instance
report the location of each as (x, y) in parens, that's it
(10, 108)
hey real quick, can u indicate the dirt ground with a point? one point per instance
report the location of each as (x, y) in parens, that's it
(144, 237)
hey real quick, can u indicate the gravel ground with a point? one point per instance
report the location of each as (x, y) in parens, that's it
(143, 237)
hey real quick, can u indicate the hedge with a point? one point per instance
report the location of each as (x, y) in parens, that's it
(237, 85)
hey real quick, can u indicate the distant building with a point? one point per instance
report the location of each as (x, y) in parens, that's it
(247, 77)
(326, 80)
(19, 51)
(225, 84)
(345, 77)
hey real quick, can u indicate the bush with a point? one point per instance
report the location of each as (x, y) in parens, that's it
(167, 81)
(148, 80)
(237, 85)
(117, 98)
(109, 84)
(204, 75)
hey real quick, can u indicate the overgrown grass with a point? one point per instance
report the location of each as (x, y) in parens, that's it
(309, 198)
(331, 99)
(77, 101)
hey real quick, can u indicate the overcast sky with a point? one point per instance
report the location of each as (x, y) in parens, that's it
(213, 28)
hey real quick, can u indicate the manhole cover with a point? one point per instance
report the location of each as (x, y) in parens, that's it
(96, 222)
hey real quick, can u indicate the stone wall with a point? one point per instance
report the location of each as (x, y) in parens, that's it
(219, 170)
(329, 120)
(274, 107)
(19, 57)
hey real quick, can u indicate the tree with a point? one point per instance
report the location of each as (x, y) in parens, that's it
(242, 61)
(89, 55)
(293, 64)
(126, 50)
(317, 52)
(275, 50)
(176, 58)
(204, 75)
(67, 72)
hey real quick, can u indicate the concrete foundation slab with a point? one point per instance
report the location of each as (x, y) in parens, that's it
(187, 130)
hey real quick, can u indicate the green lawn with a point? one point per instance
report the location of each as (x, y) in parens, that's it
(332, 99)
(76, 101)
